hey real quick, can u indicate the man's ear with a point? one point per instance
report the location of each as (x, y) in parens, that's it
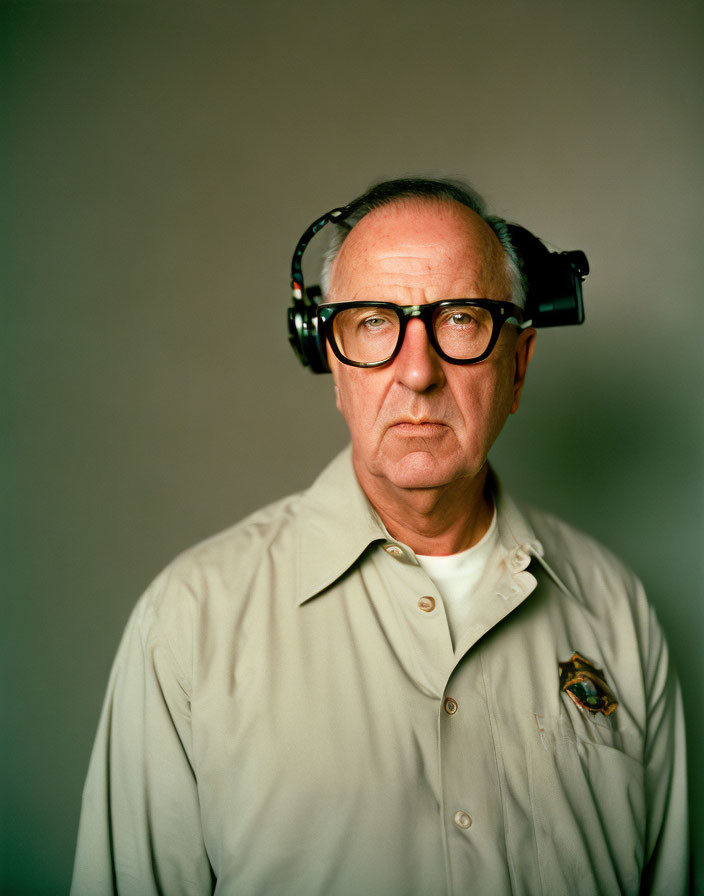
(525, 346)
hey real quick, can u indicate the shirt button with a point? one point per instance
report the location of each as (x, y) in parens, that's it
(426, 604)
(393, 549)
(450, 706)
(462, 820)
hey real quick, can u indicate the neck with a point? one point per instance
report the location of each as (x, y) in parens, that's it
(434, 521)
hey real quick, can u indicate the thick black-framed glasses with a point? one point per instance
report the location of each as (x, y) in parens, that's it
(370, 334)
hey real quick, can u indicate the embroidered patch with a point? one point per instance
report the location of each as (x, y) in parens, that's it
(586, 686)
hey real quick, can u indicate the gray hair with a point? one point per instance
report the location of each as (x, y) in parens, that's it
(390, 191)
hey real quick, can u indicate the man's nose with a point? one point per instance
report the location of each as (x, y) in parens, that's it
(418, 366)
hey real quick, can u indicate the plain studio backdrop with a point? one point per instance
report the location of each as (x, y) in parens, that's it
(159, 164)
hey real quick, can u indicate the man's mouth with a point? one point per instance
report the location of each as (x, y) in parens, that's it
(426, 428)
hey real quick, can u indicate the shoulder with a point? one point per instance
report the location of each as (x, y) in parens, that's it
(235, 549)
(598, 585)
(216, 574)
(583, 560)
(257, 562)
(579, 563)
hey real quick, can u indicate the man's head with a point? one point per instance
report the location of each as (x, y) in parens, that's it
(422, 422)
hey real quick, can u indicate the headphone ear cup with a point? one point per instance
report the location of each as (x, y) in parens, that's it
(552, 280)
(308, 344)
(295, 327)
(304, 336)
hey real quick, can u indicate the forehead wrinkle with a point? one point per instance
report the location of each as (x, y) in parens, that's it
(434, 261)
(462, 249)
(425, 259)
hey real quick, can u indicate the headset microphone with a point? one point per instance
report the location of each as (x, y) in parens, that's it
(552, 281)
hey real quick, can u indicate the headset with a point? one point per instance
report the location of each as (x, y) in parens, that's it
(552, 280)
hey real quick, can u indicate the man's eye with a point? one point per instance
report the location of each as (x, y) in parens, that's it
(459, 319)
(374, 323)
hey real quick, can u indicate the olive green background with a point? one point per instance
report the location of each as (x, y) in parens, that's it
(159, 163)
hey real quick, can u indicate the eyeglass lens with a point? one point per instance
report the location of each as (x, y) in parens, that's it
(369, 335)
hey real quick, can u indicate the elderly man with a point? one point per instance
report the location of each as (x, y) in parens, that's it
(397, 682)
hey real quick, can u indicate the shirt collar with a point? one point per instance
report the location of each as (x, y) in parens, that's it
(515, 532)
(337, 523)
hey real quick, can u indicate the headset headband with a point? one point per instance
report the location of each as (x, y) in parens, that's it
(552, 281)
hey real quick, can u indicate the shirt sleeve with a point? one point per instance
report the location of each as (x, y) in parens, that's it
(667, 842)
(140, 828)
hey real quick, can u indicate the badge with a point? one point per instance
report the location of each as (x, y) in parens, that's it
(586, 685)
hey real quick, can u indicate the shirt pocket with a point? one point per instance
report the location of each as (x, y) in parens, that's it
(588, 805)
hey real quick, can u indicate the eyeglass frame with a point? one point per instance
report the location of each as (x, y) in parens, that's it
(501, 313)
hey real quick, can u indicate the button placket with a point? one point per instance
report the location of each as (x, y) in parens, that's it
(419, 635)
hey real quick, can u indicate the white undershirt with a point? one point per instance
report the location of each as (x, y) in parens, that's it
(457, 577)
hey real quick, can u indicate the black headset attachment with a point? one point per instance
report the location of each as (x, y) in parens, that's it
(552, 281)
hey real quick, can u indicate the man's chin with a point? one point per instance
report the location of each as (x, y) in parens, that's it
(419, 470)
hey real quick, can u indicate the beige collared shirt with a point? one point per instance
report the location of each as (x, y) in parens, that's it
(287, 715)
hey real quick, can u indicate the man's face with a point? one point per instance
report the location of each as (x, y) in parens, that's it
(421, 422)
